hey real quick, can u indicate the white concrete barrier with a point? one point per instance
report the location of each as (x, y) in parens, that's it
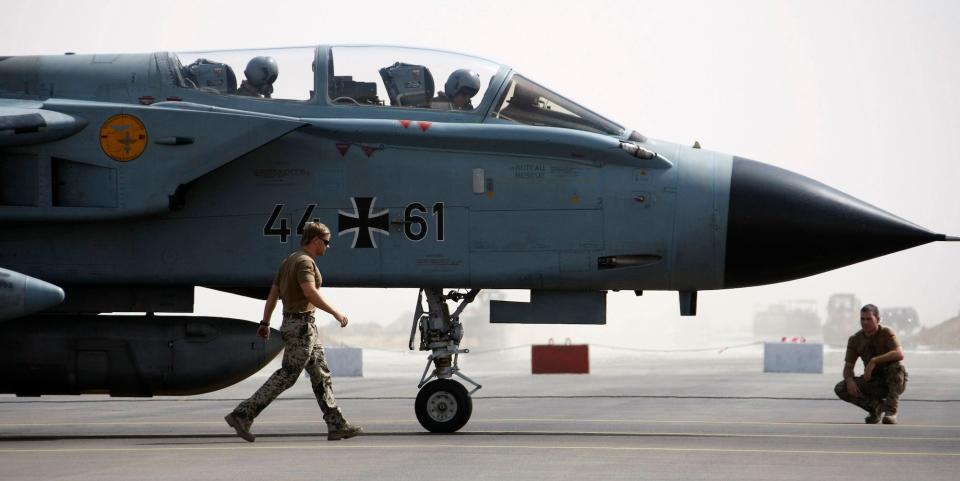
(792, 357)
(345, 361)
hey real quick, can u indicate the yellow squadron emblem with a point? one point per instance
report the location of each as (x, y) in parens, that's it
(123, 137)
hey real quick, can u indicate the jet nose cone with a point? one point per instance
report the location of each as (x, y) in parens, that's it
(785, 226)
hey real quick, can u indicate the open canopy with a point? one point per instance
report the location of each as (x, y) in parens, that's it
(382, 77)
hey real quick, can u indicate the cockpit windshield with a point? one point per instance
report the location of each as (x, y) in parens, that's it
(408, 77)
(282, 73)
(526, 102)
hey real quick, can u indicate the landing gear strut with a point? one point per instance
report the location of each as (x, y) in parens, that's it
(443, 405)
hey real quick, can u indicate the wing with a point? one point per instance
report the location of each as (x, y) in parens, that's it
(28, 123)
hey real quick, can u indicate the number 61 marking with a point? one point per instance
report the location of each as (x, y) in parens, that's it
(412, 217)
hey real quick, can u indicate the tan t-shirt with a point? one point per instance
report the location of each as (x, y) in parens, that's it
(866, 348)
(296, 269)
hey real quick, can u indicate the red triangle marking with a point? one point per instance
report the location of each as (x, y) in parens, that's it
(369, 150)
(405, 123)
(424, 126)
(343, 148)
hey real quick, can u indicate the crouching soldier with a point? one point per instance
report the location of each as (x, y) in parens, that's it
(884, 377)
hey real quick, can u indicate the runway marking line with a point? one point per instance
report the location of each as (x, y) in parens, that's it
(560, 433)
(716, 435)
(315, 446)
(478, 420)
(889, 437)
(751, 423)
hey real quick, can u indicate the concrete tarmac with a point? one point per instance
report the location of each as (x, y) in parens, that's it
(637, 416)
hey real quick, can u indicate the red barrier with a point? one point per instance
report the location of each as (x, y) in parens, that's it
(556, 359)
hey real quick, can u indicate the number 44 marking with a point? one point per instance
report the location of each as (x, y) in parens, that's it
(284, 230)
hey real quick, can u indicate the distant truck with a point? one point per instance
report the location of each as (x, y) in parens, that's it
(843, 320)
(904, 321)
(791, 319)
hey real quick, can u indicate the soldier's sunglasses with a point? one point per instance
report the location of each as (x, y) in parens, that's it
(326, 242)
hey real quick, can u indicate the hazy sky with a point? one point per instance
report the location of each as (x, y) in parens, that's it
(861, 95)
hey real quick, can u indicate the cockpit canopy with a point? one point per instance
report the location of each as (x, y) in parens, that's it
(405, 77)
(381, 77)
(222, 72)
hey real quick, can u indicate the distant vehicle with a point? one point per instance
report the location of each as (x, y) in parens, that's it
(903, 320)
(843, 319)
(790, 319)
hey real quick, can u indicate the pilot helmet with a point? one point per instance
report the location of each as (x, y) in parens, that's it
(462, 81)
(262, 71)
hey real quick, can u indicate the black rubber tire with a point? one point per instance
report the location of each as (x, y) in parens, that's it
(457, 419)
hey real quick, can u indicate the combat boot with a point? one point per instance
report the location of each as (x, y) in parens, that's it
(876, 410)
(347, 431)
(890, 419)
(242, 428)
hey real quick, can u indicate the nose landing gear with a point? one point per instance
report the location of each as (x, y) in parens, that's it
(443, 405)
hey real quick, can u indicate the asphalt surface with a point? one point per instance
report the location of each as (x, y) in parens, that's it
(637, 416)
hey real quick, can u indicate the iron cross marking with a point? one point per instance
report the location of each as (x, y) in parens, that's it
(363, 222)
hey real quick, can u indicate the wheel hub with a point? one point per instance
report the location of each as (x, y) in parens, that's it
(441, 406)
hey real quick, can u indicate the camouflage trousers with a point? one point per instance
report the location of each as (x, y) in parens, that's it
(302, 351)
(885, 386)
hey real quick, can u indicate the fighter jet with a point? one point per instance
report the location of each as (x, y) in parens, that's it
(128, 179)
